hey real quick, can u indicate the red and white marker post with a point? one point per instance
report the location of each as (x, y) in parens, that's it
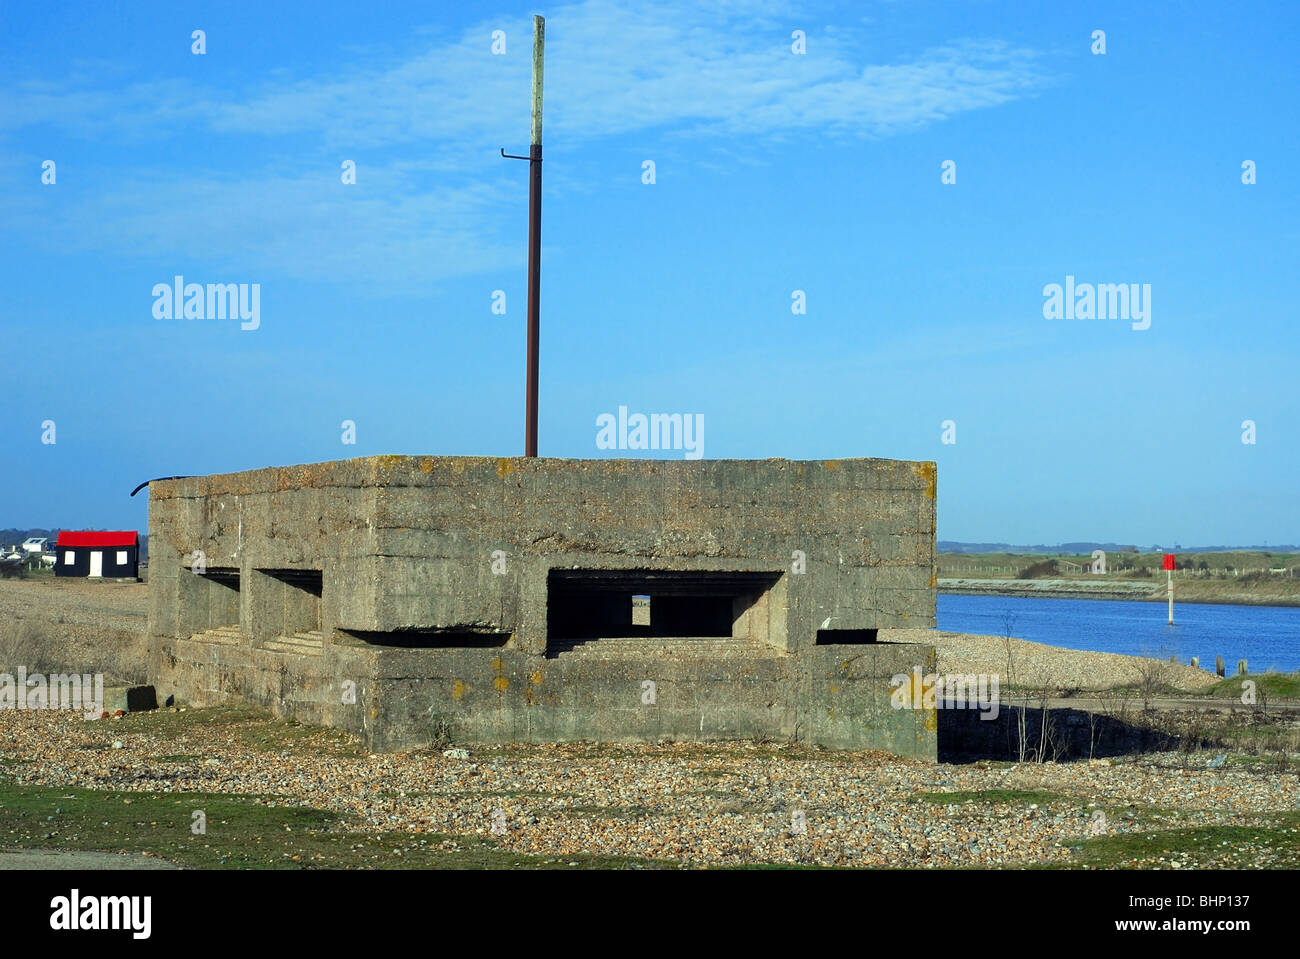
(1171, 564)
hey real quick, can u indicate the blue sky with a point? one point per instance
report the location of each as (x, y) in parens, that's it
(774, 172)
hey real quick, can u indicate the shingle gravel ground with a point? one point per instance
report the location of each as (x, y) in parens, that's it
(725, 804)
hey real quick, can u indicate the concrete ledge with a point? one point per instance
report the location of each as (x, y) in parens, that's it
(833, 696)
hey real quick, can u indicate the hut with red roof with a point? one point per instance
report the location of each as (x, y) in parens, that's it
(98, 554)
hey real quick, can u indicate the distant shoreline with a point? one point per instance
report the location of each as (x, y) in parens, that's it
(1212, 594)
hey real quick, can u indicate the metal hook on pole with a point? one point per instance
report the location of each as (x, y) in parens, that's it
(511, 156)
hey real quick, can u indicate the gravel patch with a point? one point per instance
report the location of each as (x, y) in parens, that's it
(699, 805)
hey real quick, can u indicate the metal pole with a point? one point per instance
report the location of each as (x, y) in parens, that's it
(1170, 574)
(534, 235)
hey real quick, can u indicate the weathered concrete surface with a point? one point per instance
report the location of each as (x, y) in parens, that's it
(439, 591)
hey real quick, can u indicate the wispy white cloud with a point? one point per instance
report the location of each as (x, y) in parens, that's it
(695, 71)
(389, 231)
(612, 67)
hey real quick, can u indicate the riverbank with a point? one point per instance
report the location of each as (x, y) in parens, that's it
(1281, 592)
(1028, 665)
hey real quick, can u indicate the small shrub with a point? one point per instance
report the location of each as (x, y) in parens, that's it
(441, 732)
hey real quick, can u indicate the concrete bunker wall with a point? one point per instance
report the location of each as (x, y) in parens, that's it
(491, 598)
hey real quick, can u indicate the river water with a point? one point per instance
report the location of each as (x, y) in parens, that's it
(1268, 637)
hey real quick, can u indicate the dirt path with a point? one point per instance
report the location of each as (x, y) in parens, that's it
(77, 859)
